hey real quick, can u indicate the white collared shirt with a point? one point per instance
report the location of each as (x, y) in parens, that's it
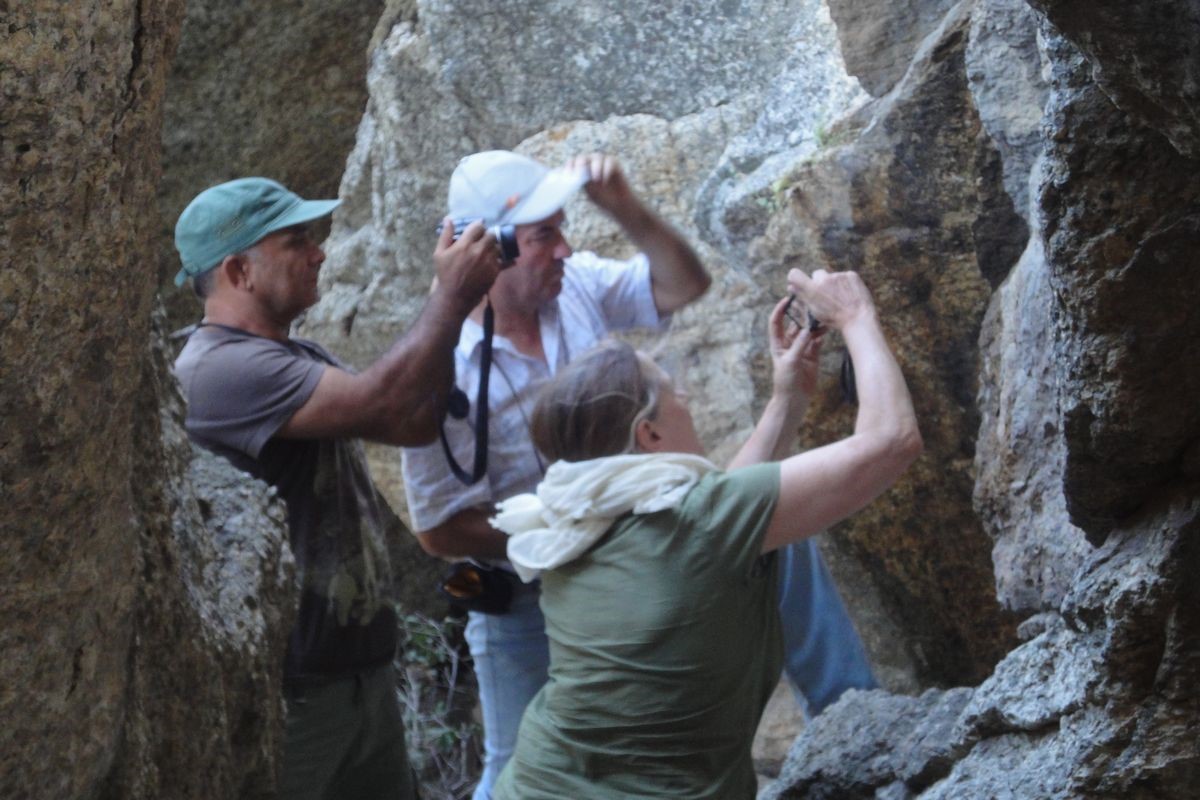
(599, 295)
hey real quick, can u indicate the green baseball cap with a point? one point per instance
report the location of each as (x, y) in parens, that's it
(232, 216)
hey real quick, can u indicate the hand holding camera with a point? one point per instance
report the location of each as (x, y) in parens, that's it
(466, 261)
(795, 353)
(836, 300)
(833, 299)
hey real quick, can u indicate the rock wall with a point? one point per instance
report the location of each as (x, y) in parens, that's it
(143, 617)
(265, 87)
(1021, 195)
(1084, 476)
(908, 192)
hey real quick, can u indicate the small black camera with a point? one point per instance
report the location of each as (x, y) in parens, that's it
(506, 236)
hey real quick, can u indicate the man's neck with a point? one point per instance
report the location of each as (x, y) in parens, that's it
(226, 314)
(520, 326)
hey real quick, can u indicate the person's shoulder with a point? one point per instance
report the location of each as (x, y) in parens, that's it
(586, 271)
(719, 488)
(314, 348)
(583, 260)
(577, 266)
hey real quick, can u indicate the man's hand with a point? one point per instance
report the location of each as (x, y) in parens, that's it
(795, 355)
(606, 186)
(676, 275)
(466, 268)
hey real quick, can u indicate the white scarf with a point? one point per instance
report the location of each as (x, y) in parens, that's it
(578, 501)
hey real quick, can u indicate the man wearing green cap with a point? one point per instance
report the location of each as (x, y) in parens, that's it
(288, 412)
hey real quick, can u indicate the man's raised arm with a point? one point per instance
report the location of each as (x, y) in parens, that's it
(401, 398)
(676, 274)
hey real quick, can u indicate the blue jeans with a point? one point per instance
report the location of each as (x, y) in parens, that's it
(823, 655)
(512, 660)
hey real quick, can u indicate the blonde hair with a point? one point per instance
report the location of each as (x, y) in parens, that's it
(593, 406)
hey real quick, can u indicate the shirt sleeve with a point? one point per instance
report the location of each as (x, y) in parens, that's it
(735, 509)
(242, 392)
(433, 493)
(621, 289)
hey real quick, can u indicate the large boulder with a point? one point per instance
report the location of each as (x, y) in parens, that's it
(147, 594)
(1097, 703)
(1121, 213)
(1160, 85)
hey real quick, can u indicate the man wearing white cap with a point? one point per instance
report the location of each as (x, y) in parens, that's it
(288, 412)
(550, 305)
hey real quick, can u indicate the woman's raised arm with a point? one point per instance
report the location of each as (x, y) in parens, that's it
(824, 485)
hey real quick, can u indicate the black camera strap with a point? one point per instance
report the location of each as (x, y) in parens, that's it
(459, 406)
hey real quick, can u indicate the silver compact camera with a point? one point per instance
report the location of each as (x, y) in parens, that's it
(505, 235)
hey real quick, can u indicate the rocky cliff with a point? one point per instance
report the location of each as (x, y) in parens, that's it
(1017, 181)
(259, 88)
(147, 589)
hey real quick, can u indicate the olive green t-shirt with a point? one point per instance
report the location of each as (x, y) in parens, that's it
(664, 647)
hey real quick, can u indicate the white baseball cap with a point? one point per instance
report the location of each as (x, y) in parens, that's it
(504, 188)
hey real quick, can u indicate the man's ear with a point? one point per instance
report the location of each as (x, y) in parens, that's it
(233, 269)
(646, 437)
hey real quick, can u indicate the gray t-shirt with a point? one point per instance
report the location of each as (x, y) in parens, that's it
(240, 389)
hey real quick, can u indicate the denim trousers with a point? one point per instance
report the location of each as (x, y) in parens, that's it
(823, 654)
(512, 659)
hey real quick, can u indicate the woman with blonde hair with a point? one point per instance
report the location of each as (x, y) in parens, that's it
(658, 569)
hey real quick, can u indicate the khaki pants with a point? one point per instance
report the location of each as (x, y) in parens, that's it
(345, 739)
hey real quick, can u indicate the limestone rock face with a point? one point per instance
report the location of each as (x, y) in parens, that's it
(215, 607)
(1085, 480)
(259, 88)
(879, 40)
(82, 92)
(1004, 69)
(795, 119)
(1122, 215)
(1019, 451)
(524, 66)
(1095, 704)
(869, 741)
(143, 617)
(1159, 87)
